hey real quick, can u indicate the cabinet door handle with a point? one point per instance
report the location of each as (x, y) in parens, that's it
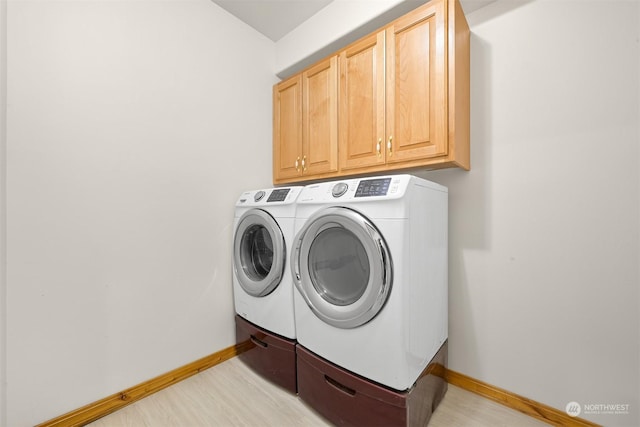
(390, 146)
(304, 161)
(298, 164)
(379, 147)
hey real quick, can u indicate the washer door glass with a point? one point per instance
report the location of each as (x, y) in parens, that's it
(258, 253)
(342, 267)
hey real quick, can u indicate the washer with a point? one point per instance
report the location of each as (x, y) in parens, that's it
(369, 264)
(262, 283)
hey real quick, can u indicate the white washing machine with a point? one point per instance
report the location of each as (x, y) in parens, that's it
(369, 264)
(262, 283)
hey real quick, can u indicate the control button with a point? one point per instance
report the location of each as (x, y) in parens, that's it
(258, 196)
(339, 189)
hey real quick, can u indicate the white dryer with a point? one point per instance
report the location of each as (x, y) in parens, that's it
(369, 264)
(263, 233)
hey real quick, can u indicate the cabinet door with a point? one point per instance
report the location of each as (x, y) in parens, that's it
(416, 115)
(361, 121)
(320, 118)
(287, 128)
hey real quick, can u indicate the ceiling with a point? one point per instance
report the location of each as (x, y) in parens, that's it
(273, 18)
(276, 18)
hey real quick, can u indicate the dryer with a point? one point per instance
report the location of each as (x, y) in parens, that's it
(263, 233)
(369, 263)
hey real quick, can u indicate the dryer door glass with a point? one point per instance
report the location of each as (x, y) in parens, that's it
(342, 267)
(258, 253)
(339, 267)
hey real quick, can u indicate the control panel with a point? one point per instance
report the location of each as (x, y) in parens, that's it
(373, 187)
(356, 190)
(269, 197)
(278, 195)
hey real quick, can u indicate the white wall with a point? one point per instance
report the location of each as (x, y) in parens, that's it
(132, 128)
(3, 265)
(544, 232)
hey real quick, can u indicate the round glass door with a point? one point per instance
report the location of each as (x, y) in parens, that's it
(258, 253)
(339, 267)
(342, 267)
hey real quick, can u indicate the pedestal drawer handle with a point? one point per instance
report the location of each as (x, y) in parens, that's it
(258, 341)
(341, 387)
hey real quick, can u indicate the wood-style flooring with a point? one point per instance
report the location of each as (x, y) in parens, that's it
(231, 394)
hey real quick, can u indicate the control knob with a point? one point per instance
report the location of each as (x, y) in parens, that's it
(258, 196)
(339, 189)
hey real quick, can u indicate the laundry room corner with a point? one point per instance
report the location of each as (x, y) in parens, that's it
(395, 212)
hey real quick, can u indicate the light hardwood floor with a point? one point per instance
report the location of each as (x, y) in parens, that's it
(231, 394)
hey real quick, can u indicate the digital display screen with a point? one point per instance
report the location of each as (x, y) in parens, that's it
(278, 195)
(373, 187)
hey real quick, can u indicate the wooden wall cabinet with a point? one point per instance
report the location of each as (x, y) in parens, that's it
(362, 104)
(305, 124)
(402, 101)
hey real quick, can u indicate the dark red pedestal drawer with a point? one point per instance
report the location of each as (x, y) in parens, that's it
(270, 355)
(347, 399)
